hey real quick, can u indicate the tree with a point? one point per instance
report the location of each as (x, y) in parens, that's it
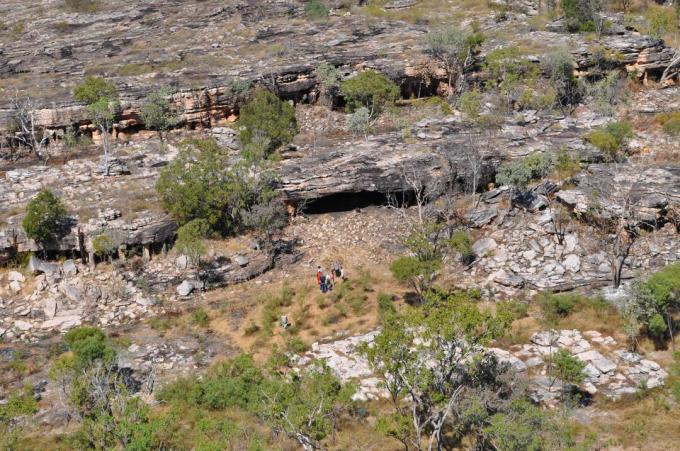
(190, 239)
(202, 183)
(431, 361)
(518, 173)
(566, 368)
(45, 217)
(98, 391)
(559, 66)
(104, 246)
(580, 14)
(369, 89)
(611, 138)
(28, 132)
(360, 122)
(329, 77)
(158, 112)
(101, 99)
(454, 49)
(656, 300)
(266, 117)
(307, 407)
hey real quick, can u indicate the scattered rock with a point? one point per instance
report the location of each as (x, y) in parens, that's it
(185, 288)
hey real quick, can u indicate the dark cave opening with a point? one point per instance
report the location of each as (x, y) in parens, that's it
(340, 202)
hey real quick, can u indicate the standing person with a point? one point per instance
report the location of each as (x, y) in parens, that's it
(319, 278)
(342, 273)
(329, 282)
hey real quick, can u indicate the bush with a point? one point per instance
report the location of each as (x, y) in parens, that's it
(559, 65)
(89, 344)
(200, 317)
(83, 6)
(158, 112)
(371, 90)
(316, 10)
(470, 103)
(18, 403)
(461, 242)
(103, 246)
(266, 123)
(660, 20)
(556, 306)
(579, 14)
(611, 138)
(297, 346)
(190, 239)
(670, 122)
(518, 173)
(565, 367)
(45, 217)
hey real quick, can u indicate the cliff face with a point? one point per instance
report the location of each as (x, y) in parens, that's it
(198, 47)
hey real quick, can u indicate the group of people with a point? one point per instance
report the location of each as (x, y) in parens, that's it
(327, 281)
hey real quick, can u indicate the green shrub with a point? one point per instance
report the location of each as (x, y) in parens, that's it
(190, 239)
(579, 14)
(103, 246)
(316, 10)
(371, 90)
(461, 242)
(297, 346)
(18, 403)
(385, 305)
(611, 138)
(565, 367)
(670, 122)
(89, 344)
(265, 124)
(660, 20)
(158, 111)
(83, 6)
(45, 217)
(556, 306)
(200, 317)
(470, 103)
(518, 173)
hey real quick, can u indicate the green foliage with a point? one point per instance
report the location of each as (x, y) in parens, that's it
(371, 90)
(660, 20)
(268, 121)
(18, 403)
(451, 47)
(518, 173)
(297, 346)
(316, 10)
(94, 89)
(103, 246)
(565, 367)
(385, 305)
(45, 217)
(670, 122)
(470, 103)
(200, 317)
(559, 305)
(559, 65)
(306, 408)
(89, 344)
(201, 183)
(158, 112)
(611, 138)
(329, 77)
(656, 298)
(521, 428)
(461, 242)
(511, 72)
(414, 272)
(83, 6)
(566, 165)
(359, 122)
(607, 92)
(190, 239)
(579, 14)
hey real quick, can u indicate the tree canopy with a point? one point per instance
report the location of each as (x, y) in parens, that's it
(45, 216)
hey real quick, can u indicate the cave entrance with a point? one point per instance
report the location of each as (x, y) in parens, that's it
(340, 202)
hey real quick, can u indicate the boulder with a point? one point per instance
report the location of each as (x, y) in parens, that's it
(483, 246)
(36, 266)
(185, 288)
(23, 326)
(482, 217)
(62, 322)
(69, 268)
(508, 279)
(15, 276)
(241, 260)
(50, 308)
(15, 287)
(572, 263)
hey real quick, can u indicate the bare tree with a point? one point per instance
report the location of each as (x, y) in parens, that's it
(29, 134)
(473, 164)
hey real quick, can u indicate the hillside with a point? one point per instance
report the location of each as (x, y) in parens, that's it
(492, 186)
